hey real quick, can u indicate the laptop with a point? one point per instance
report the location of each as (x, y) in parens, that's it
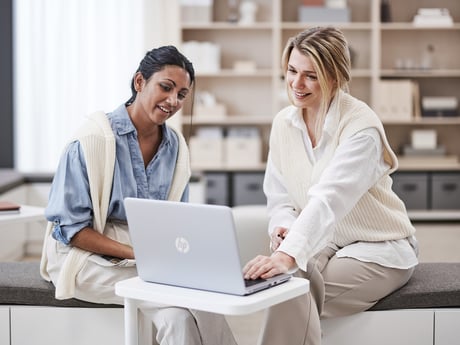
(189, 245)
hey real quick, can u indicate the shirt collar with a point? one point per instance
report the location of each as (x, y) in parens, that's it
(122, 124)
(331, 121)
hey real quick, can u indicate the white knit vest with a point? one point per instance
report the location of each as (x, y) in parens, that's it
(98, 144)
(379, 215)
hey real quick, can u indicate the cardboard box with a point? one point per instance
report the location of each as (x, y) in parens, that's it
(210, 111)
(243, 152)
(321, 14)
(196, 11)
(206, 152)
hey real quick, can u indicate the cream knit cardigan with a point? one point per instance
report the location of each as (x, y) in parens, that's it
(379, 215)
(97, 140)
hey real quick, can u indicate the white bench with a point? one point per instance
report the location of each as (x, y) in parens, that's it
(29, 313)
(425, 311)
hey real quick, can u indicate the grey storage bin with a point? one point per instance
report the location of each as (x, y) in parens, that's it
(412, 188)
(445, 191)
(217, 191)
(248, 189)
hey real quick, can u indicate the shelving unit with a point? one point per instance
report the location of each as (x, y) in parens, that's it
(253, 98)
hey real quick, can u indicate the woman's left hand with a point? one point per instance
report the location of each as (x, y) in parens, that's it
(268, 266)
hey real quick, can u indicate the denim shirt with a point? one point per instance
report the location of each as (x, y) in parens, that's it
(70, 206)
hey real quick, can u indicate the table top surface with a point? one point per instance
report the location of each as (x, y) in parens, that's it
(26, 214)
(160, 294)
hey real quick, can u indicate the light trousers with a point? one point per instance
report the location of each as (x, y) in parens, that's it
(338, 287)
(163, 326)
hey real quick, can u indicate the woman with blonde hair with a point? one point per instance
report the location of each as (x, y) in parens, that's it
(334, 218)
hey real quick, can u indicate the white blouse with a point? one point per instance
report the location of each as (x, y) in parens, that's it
(359, 162)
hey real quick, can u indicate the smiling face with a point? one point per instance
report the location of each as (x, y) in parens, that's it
(302, 81)
(162, 95)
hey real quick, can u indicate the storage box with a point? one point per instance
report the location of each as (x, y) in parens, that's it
(248, 189)
(243, 152)
(196, 11)
(210, 111)
(217, 190)
(445, 191)
(321, 14)
(439, 106)
(412, 188)
(206, 152)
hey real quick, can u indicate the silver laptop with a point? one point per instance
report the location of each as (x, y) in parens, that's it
(189, 245)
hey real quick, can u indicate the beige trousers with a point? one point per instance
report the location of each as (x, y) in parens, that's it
(338, 287)
(164, 326)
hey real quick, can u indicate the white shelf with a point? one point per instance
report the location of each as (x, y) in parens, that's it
(410, 26)
(343, 26)
(227, 26)
(231, 73)
(26, 214)
(229, 120)
(254, 98)
(229, 168)
(420, 73)
(427, 215)
(426, 121)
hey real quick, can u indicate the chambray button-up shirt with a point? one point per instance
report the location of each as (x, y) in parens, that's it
(70, 206)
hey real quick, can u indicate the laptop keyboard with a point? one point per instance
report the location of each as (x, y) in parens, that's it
(250, 282)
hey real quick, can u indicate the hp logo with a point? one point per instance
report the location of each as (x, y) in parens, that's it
(182, 245)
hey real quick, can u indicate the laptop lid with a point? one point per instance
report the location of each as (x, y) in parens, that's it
(188, 245)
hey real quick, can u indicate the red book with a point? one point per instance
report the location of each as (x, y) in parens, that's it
(7, 207)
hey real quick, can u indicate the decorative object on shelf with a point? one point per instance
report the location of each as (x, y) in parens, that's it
(439, 150)
(425, 139)
(425, 151)
(395, 101)
(427, 57)
(324, 14)
(233, 15)
(433, 17)
(196, 11)
(207, 106)
(385, 11)
(440, 106)
(248, 11)
(205, 56)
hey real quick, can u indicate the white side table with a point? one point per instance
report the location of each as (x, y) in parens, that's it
(26, 214)
(135, 291)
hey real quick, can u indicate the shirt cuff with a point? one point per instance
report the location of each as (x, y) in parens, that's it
(295, 245)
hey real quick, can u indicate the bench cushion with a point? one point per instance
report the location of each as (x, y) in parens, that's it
(21, 284)
(433, 285)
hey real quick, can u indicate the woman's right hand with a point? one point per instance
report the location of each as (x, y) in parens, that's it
(90, 240)
(278, 235)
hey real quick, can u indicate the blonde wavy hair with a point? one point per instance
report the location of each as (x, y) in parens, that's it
(328, 50)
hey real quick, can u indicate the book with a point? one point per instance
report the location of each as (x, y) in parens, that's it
(8, 207)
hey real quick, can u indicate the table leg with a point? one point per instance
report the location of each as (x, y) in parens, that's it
(131, 322)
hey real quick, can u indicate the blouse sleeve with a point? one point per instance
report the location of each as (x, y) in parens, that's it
(69, 205)
(356, 166)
